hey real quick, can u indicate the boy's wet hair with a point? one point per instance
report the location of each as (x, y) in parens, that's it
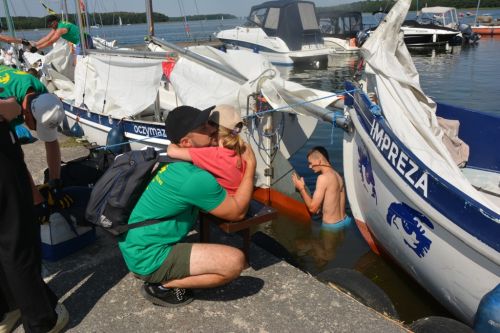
(321, 150)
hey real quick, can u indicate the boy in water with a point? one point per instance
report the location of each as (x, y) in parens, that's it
(223, 161)
(330, 191)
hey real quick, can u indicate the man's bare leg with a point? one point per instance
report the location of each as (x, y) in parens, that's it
(211, 265)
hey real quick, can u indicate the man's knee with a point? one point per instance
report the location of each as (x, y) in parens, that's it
(236, 264)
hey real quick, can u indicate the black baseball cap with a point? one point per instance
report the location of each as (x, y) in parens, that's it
(183, 119)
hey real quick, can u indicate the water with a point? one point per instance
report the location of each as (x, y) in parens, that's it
(466, 77)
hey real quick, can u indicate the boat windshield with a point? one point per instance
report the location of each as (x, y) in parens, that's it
(443, 18)
(344, 26)
(257, 18)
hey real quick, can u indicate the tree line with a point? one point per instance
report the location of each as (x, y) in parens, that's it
(373, 6)
(29, 22)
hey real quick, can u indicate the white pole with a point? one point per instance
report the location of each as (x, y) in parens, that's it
(477, 9)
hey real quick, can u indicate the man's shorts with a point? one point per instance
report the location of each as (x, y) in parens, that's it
(176, 266)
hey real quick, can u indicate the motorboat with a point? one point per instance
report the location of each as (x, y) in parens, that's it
(437, 26)
(285, 31)
(339, 30)
(485, 25)
(432, 209)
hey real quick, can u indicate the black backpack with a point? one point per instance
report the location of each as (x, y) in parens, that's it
(115, 194)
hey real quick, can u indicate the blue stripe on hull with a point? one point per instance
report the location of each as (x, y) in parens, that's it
(133, 127)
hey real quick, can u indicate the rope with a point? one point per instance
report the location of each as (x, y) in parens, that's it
(198, 13)
(278, 132)
(107, 85)
(297, 104)
(186, 25)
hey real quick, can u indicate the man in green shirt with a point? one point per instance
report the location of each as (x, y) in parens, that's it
(157, 253)
(65, 30)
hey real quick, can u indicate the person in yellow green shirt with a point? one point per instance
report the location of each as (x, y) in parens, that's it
(43, 112)
(65, 30)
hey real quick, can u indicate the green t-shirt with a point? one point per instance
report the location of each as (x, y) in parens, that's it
(179, 190)
(14, 82)
(73, 34)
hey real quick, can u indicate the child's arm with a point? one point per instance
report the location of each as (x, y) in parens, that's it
(174, 151)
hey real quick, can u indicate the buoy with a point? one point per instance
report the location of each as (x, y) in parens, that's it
(116, 141)
(361, 288)
(488, 312)
(439, 324)
(76, 130)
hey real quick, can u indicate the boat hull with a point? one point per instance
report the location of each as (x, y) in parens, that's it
(404, 209)
(341, 45)
(274, 48)
(417, 37)
(485, 30)
(96, 128)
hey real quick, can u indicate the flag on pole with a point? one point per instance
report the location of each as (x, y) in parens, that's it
(49, 10)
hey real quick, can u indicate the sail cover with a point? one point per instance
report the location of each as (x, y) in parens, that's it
(409, 112)
(120, 86)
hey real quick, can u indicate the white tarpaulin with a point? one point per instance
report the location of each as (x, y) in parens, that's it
(200, 86)
(409, 112)
(117, 85)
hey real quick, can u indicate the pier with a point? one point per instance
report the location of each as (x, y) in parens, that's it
(270, 296)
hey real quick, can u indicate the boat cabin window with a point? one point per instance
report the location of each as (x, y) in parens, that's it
(342, 25)
(273, 18)
(257, 17)
(326, 27)
(308, 16)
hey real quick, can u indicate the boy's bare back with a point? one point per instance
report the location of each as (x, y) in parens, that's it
(331, 186)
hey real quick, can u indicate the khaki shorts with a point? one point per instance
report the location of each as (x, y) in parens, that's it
(176, 266)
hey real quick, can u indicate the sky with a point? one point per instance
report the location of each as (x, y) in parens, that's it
(167, 7)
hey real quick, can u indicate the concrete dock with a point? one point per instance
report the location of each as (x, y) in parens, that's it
(270, 296)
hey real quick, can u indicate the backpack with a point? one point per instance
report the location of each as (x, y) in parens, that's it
(116, 193)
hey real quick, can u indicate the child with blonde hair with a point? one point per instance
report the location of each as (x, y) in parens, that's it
(223, 161)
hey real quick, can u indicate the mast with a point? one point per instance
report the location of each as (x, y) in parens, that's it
(149, 16)
(477, 10)
(10, 23)
(151, 33)
(86, 12)
(65, 9)
(80, 25)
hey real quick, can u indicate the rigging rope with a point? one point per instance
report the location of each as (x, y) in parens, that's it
(186, 25)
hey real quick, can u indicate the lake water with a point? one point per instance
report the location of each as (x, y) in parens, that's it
(467, 76)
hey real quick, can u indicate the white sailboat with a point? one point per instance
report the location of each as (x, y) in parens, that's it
(120, 21)
(124, 88)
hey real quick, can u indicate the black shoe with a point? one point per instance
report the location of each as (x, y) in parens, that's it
(171, 297)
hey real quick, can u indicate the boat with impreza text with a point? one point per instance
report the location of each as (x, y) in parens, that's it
(422, 180)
